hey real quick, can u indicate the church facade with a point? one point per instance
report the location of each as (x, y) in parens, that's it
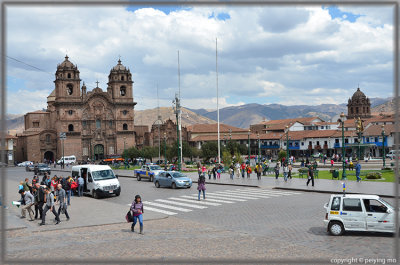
(358, 106)
(96, 123)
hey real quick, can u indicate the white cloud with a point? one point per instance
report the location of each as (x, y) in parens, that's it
(296, 55)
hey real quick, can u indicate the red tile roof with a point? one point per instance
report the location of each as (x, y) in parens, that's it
(213, 128)
(376, 130)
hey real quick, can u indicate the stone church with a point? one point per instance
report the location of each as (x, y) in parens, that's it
(358, 106)
(96, 123)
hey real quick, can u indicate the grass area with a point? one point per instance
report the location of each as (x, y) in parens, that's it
(387, 176)
(123, 167)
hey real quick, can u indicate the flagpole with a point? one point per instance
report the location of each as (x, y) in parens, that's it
(216, 72)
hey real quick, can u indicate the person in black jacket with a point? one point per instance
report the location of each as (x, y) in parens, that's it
(39, 200)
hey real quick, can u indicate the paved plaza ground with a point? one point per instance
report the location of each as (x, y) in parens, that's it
(242, 224)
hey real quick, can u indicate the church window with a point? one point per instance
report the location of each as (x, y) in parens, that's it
(84, 124)
(70, 112)
(125, 112)
(47, 138)
(122, 91)
(69, 75)
(363, 109)
(35, 124)
(351, 110)
(368, 109)
(110, 123)
(70, 89)
(70, 128)
(98, 124)
(356, 110)
(122, 78)
(125, 127)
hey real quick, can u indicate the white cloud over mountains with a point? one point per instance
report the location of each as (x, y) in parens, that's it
(288, 55)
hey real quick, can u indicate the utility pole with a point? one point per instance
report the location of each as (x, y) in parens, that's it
(177, 110)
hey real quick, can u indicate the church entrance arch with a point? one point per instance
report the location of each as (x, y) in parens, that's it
(49, 156)
(99, 152)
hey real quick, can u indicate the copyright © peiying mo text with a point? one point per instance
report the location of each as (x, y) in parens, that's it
(364, 261)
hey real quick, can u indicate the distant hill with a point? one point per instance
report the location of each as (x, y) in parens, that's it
(387, 106)
(149, 116)
(15, 123)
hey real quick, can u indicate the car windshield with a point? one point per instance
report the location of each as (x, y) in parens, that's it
(155, 167)
(42, 165)
(103, 174)
(178, 175)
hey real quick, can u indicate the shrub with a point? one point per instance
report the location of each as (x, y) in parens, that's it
(374, 175)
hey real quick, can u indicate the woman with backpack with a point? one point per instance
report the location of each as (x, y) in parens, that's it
(201, 186)
(137, 212)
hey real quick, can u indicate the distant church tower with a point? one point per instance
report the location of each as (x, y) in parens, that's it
(358, 106)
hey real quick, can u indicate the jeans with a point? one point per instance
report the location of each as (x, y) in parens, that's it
(80, 190)
(285, 176)
(39, 208)
(358, 176)
(204, 194)
(46, 208)
(66, 213)
(276, 174)
(242, 173)
(135, 218)
(68, 196)
(312, 181)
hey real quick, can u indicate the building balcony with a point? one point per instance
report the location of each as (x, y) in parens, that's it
(270, 146)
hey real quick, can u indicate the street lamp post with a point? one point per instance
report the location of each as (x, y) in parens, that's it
(259, 151)
(165, 150)
(249, 145)
(287, 144)
(343, 147)
(383, 146)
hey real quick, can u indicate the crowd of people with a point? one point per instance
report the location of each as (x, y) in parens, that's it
(40, 196)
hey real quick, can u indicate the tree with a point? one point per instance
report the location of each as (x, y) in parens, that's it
(209, 150)
(281, 154)
(131, 153)
(149, 152)
(226, 158)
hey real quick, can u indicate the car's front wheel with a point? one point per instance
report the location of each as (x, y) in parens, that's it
(157, 184)
(173, 185)
(94, 194)
(336, 228)
(151, 178)
(138, 177)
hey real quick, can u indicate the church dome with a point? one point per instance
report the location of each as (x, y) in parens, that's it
(66, 64)
(358, 95)
(119, 66)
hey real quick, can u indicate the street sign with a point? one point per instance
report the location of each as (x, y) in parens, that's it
(63, 135)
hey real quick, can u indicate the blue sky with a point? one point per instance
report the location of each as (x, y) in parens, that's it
(285, 55)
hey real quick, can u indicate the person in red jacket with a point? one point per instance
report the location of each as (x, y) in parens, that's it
(243, 169)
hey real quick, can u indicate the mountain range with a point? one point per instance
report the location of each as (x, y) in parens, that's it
(239, 116)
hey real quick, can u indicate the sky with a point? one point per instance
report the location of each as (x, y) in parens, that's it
(291, 55)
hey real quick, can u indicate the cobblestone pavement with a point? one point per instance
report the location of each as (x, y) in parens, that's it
(238, 223)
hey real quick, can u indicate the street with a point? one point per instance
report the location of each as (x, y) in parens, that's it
(234, 222)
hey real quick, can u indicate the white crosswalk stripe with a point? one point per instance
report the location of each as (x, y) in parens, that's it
(271, 192)
(195, 201)
(147, 208)
(224, 197)
(182, 204)
(255, 193)
(167, 206)
(210, 200)
(243, 195)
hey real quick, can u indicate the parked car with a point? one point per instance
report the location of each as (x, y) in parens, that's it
(392, 154)
(172, 179)
(25, 163)
(67, 160)
(358, 213)
(148, 171)
(2, 164)
(39, 169)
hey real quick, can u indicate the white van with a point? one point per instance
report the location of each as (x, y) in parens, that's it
(100, 180)
(358, 212)
(67, 160)
(392, 154)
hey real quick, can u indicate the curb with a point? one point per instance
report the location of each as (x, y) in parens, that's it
(214, 183)
(330, 192)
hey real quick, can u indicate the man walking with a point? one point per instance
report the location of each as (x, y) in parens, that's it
(258, 170)
(62, 200)
(81, 182)
(310, 176)
(29, 201)
(237, 167)
(49, 206)
(40, 197)
(276, 170)
(358, 171)
(243, 168)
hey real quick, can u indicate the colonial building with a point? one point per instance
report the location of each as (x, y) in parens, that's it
(166, 130)
(358, 106)
(96, 123)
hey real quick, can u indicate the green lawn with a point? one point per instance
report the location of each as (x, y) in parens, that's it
(387, 176)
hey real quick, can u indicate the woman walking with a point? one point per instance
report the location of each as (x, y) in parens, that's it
(137, 212)
(201, 186)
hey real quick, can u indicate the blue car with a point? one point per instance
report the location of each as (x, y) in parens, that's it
(172, 179)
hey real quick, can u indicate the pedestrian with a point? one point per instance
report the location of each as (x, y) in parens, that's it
(259, 171)
(201, 186)
(248, 170)
(137, 212)
(332, 162)
(276, 169)
(237, 168)
(290, 171)
(231, 171)
(81, 183)
(199, 170)
(26, 185)
(310, 176)
(29, 202)
(219, 172)
(203, 170)
(214, 171)
(209, 172)
(54, 183)
(48, 181)
(40, 197)
(49, 206)
(285, 172)
(61, 198)
(68, 189)
(243, 168)
(358, 171)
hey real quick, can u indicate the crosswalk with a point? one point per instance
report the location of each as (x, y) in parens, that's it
(189, 203)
